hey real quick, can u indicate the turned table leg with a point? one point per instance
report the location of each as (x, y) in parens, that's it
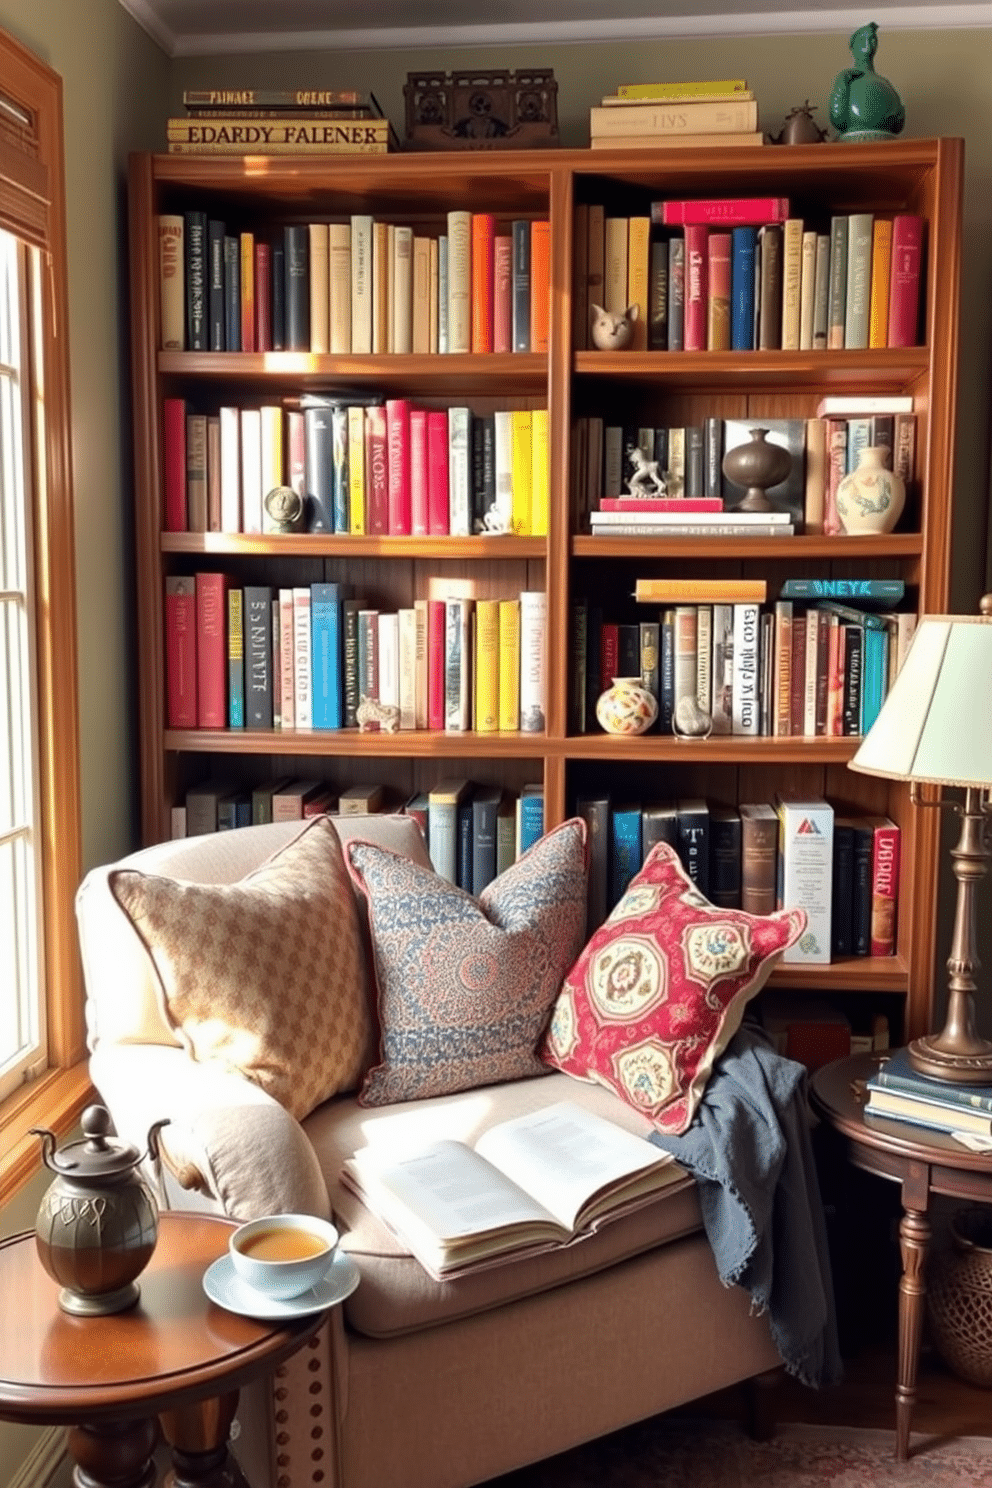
(198, 1435)
(113, 1454)
(914, 1240)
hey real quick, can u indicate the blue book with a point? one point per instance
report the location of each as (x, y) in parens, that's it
(232, 294)
(742, 288)
(278, 297)
(464, 869)
(235, 659)
(217, 331)
(485, 807)
(530, 817)
(898, 1074)
(874, 675)
(625, 849)
(859, 591)
(326, 656)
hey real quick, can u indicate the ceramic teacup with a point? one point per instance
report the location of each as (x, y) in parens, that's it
(283, 1255)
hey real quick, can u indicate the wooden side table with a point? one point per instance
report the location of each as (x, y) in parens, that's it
(175, 1356)
(924, 1163)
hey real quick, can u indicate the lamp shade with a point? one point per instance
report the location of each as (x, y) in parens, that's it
(936, 722)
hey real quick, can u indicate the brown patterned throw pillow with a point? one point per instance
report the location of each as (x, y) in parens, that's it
(264, 976)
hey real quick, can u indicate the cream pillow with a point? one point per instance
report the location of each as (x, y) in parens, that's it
(265, 976)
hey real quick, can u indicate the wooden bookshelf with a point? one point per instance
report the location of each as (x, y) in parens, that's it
(923, 176)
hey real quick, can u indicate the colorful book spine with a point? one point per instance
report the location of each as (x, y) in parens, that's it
(503, 293)
(884, 886)
(721, 211)
(881, 275)
(905, 279)
(743, 242)
(533, 661)
(211, 650)
(520, 311)
(171, 278)
(174, 463)
(509, 665)
(326, 656)
(180, 653)
(696, 287)
(400, 514)
(486, 667)
(483, 253)
(258, 656)
(235, 659)
(718, 292)
(459, 281)
(438, 504)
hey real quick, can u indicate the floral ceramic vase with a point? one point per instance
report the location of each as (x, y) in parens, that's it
(871, 497)
(626, 707)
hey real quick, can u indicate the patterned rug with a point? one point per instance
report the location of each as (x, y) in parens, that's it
(682, 1452)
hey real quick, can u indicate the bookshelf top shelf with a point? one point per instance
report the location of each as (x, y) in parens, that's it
(882, 369)
(509, 373)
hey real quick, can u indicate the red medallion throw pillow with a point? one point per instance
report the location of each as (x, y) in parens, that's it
(660, 991)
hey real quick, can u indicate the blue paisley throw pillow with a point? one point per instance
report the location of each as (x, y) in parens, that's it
(465, 985)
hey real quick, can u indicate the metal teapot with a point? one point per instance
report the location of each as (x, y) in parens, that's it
(98, 1222)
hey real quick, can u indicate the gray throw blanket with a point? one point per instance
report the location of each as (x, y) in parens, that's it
(749, 1148)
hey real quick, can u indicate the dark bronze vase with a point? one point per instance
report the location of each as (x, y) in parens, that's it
(757, 465)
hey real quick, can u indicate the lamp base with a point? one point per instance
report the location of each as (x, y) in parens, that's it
(973, 1067)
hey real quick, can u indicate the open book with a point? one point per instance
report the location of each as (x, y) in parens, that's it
(528, 1185)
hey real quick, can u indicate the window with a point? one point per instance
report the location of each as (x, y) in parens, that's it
(43, 1078)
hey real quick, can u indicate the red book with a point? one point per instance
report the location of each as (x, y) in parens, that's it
(174, 463)
(419, 517)
(435, 663)
(540, 284)
(211, 650)
(376, 472)
(263, 297)
(398, 446)
(737, 211)
(696, 287)
(483, 247)
(503, 293)
(296, 450)
(437, 472)
(884, 885)
(904, 279)
(180, 653)
(609, 643)
(661, 503)
(247, 291)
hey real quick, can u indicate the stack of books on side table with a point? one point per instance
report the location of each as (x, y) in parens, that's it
(681, 114)
(898, 1092)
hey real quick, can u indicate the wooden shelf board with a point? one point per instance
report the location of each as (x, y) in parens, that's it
(403, 744)
(869, 974)
(884, 370)
(523, 372)
(327, 544)
(795, 549)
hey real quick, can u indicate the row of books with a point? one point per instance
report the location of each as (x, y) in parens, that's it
(898, 1092)
(314, 657)
(722, 115)
(851, 281)
(609, 461)
(372, 467)
(473, 832)
(759, 856)
(782, 670)
(356, 286)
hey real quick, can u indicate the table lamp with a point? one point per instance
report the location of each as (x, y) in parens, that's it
(935, 728)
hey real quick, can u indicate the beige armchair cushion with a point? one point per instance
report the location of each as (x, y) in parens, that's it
(265, 976)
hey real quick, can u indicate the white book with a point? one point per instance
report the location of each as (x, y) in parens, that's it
(459, 282)
(839, 404)
(699, 519)
(744, 695)
(722, 669)
(420, 607)
(390, 285)
(302, 652)
(528, 1184)
(284, 643)
(685, 662)
(251, 470)
(361, 284)
(319, 288)
(460, 472)
(533, 661)
(272, 457)
(230, 469)
(380, 288)
(402, 301)
(806, 850)
(339, 304)
(442, 826)
(704, 656)
(503, 465)
(407, 626)
(434, 299)
(457, 665)
(177, 817)
(389, 659)
(689, 528)
(442, 296)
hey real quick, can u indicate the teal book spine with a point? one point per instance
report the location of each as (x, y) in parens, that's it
(625, 849)
(326, 659)
(531, 819)
(874, 675)
(235, 659)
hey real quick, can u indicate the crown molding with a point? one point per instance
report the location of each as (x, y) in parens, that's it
(937, 16)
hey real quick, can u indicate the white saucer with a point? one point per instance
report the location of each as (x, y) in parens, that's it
(224, 1286)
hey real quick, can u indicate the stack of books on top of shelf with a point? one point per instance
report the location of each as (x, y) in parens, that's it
(898, 1092)
(280, 121)
(681, 114)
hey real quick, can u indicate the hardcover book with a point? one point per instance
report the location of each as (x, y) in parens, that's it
(805, 874)
(759, 856)
(180, 653)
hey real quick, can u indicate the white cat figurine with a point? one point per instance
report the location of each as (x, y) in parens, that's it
(612, 332)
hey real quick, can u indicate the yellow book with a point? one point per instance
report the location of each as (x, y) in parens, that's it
(509, 665)
(718, 88)
(539, 484)
(356, 469)
(486, 666)
(792, 268)
(272, 458)
(339, 294)
(700, 591)
(521, 468)
(638, 262)
(881, 268)
(380, 288)
(615, 265)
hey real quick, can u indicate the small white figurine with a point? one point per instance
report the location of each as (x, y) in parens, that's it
(612, 332)
(647, 479)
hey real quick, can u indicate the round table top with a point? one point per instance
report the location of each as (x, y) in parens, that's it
(838, 1095)
(172, 1347)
